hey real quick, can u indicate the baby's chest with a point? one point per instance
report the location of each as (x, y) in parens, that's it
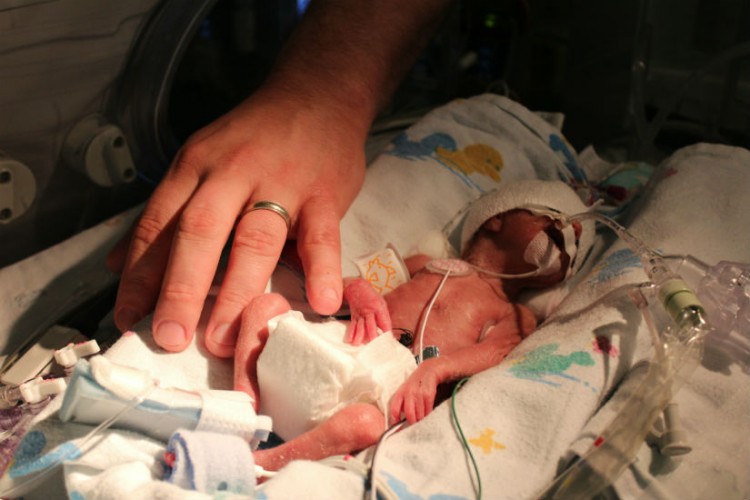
(474, 302)
(466, 301)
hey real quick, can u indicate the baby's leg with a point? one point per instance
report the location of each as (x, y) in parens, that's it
(252, 338)
(351, 429)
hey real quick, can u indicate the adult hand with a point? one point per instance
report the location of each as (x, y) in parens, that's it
(304, 155)
(297, 142)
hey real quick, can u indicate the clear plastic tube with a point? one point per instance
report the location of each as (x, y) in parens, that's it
(678, 351)
(677, 298)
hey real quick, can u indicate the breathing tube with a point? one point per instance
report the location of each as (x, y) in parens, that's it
(678, 351)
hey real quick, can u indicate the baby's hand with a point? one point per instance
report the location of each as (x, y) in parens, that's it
(369, 312)
(416, 396)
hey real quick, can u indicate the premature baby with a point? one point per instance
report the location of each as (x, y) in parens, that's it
(474, 321)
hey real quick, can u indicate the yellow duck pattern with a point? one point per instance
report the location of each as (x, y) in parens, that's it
(474, 159)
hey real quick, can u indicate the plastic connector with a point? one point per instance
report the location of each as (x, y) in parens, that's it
(725, 293)
(37, 360)
(39, 389)
(69, 355)
(673, 441)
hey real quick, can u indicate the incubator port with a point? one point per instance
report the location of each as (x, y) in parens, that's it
(17, 189)
(100, 151)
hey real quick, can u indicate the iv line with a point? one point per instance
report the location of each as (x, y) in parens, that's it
(427, 311)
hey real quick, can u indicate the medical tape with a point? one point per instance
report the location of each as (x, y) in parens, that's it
(571, 246)
(563, 225)
(384, 269)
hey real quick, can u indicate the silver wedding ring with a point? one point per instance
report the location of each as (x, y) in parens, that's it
(273, 207)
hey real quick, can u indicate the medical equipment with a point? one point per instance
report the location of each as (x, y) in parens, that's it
(70, 453)
(99, 389)
(24, 379)
(105, 394)
(544, 254)
(211, 463)
(33, 391)
(464, 441)
(37, 360)
(17, 189)
(100, 151)
(678, 351)
(37, 369)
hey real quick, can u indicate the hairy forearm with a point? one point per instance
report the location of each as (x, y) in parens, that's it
(351, 54)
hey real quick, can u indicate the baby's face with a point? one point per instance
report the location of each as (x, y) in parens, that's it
(518, 228)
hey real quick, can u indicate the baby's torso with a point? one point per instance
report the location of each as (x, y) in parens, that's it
(462, 310)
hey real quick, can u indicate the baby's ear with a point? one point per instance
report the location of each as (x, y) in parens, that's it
(494, 223)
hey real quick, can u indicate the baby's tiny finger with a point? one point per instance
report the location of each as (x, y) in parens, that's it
(383, 319)
(349, 332)
(410, 410)
(371, 330)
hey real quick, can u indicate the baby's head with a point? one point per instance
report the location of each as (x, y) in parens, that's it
(520, 230)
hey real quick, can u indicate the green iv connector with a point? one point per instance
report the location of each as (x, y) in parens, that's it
(681, 303)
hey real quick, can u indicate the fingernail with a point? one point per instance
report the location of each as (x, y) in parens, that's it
(224, 335)
(170, 334)
(126, 318)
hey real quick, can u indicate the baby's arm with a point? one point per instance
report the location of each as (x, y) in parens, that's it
(416, 396)
(368, 309)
